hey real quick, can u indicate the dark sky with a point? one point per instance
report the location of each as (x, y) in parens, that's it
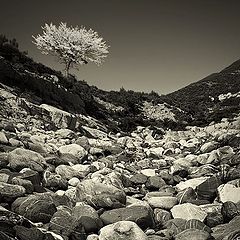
(159, 45)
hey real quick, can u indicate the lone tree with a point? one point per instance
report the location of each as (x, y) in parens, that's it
(72, 45)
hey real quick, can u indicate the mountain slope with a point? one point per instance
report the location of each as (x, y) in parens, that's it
(211, 98)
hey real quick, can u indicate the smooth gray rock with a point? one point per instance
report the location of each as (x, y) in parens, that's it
(99, 194)
(141, 215)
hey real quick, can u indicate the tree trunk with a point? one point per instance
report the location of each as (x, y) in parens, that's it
(66, 71)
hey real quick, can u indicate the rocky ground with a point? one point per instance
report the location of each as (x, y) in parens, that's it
(57, 183)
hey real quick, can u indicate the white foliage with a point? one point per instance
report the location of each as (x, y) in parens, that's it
(72, 45)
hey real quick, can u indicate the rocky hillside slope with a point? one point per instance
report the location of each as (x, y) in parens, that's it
(200, 103)
(211, 98)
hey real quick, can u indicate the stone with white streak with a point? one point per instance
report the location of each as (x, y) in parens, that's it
(188, 211)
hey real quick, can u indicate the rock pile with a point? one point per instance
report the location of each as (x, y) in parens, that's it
(65, 185)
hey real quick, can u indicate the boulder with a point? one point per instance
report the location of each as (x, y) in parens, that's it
(208, 147)
(138, 178)
(60, 118)
(161, 216)
(207, 190)
(74, 149)
(4, 176)
(22, 158)
(193, 234)
(79, 220)
(63, 223)
(74, 181)
(24, 183)
(149, 172)
(186, 195)
(228, 230)
(3, 160)
(83, 142)
(8, 222)
(88, 217)
(188, 211)
(158, 194)
(3, 138)
(192, 183)
(175, 226)
(99, 194)
(31, 175)
(228, 192)
(141, 215)
(122, 230)
(35, 233)
(155, 182)
(108, 177)
(196, 224)
(95, 133)
(37, 208)
(10, 191)
(68, 172)
(15, 143)
(156, 152)
(213, 219)
(230, 210)
(65, 133)
(54, 181)
(165, 202)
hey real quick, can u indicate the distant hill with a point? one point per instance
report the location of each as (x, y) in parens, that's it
(212, 98)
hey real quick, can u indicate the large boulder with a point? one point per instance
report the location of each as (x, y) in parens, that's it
(10, 191)
(108, 177)
(95, 133)
(35, 233)
(193, 234)
(141, 215)
(99, 194)
(54, 181)
(161, 216)
(193, 183)
(122, 230)
(73, 149)
(155, 182)
(37, 208)
(156, 152)
(207, 190)
(228, 231)
(78, 221)
(138, 179)
(21, 158)
(208, 147)
(230, 210)
(186, 195)
(60, 118)
(8, 221)
(165, 202)
(24, 183)
(229, 192)
(188, 211)
(68, 172)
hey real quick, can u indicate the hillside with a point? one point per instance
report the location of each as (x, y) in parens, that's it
(212, 98)
(120, 110)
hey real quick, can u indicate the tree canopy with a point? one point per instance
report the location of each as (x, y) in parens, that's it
(72, 45)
